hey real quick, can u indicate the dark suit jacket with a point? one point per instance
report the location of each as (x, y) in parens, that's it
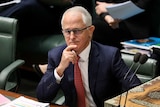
(106, 71)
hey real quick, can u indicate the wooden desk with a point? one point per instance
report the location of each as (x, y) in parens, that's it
(16, 95)
(145, 95)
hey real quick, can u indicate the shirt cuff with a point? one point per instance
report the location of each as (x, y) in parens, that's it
(58, 78)
(102, 15)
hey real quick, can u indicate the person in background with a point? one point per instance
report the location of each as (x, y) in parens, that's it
(102, 69)
(40, 69)
(39, 17)
(36, 17)
(112, 31)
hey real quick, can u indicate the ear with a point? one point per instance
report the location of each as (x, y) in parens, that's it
(91, 30)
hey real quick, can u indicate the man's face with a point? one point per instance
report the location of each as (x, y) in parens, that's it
(76, 32)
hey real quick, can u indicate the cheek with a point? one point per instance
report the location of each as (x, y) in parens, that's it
(67, 41)
(84, 41)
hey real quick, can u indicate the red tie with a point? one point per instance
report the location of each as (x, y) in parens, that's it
(79, 86)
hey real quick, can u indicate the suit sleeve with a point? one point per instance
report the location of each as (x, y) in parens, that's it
(48, 87)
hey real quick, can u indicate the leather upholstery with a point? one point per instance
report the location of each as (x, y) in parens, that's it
(35, 49)
(7, 41)
(8, 64)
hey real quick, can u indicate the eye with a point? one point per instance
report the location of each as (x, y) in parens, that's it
(67, 31)
(76, 31)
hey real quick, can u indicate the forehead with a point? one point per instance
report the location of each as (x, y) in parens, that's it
(72, 18)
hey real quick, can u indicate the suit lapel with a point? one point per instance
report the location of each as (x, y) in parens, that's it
(93, 68)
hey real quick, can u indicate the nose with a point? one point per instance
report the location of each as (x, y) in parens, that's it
(72, 35)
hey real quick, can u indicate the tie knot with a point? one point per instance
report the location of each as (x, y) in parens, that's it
(77, 58)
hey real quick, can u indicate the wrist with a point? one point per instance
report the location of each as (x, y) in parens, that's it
(59, 71)
(103, 15)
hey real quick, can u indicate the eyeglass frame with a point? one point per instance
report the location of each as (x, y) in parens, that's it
(76, 31)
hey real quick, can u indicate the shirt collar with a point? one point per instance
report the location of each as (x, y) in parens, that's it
(85, 53)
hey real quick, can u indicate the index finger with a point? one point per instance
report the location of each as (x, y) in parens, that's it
(71, 47)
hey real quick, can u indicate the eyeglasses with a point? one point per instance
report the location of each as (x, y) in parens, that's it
(75, 31)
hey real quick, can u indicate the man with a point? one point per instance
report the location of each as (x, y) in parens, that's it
(102, 68)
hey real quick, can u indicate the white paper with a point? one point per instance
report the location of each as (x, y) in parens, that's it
(3, 100)
(25, 102)
(10, 2)
(124, 10)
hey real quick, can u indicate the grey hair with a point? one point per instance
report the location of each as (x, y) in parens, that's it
(86, 17)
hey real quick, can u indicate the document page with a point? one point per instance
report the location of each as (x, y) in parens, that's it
(25, 102)
(10, 2)
(124, 10)
(3, 100)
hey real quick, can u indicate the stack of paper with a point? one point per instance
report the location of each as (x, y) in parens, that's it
(25, 102)
(144, 47)
(156, 46)
(124, 10)
(4, 100)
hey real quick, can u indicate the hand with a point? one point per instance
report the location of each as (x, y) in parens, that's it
(101, 7)
(113, 23)
(68, 56)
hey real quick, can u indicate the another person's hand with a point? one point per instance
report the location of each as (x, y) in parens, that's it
(101, 7)
(113, 23)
